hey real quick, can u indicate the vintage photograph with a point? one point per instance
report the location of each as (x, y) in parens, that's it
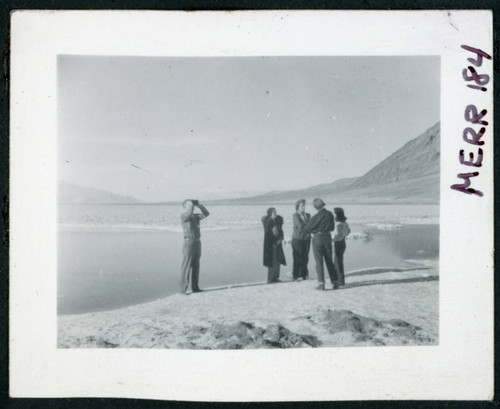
(279, 205)
(248, 202)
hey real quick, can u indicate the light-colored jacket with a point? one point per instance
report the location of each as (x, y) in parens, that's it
(341, 231)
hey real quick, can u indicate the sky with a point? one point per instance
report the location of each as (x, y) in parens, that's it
(167, 128)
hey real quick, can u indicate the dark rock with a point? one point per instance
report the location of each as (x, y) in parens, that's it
(368, 330)
(100, 342)
(246, 335)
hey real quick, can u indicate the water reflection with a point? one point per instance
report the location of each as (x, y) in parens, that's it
(106, 270)
(410, 242)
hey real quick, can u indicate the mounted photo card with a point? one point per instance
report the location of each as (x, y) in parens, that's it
(252, 206)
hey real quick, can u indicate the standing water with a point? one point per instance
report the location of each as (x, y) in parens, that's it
(112, 256)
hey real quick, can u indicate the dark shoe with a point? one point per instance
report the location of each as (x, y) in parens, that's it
(335, 287)
(320, 287)
(197, 290)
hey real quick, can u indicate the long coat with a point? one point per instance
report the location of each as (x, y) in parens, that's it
(271, 239)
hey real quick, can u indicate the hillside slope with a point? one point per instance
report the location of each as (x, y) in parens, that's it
(409, 175)
(418, 158)
(71, 193)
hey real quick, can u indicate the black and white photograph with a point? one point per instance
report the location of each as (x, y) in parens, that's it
(260, 202)
(252, 206)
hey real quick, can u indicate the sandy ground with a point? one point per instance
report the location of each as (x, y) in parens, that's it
(376, 307)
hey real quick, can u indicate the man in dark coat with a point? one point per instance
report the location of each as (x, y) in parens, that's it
(273, 248)
(321, 225)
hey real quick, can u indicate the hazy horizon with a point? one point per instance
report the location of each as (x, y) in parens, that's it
(166, 128)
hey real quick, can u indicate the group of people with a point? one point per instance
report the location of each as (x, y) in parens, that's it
(319, 227)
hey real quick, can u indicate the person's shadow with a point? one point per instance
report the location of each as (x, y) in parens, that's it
(381, 270)
(395, 281)
(232, 286)
(347, 286)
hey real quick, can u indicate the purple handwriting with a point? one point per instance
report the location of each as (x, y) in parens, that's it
(475, 117)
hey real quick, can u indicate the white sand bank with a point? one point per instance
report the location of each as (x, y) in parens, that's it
(376, 307)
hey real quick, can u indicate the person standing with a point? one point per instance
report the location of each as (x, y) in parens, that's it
(321, 225)
(191, 249)
(273, 248)
(301, 243)
(339, 246)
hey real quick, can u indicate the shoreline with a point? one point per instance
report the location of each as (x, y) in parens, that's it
(378, 306)
(116, 228)
(416, 265)
(118, 269)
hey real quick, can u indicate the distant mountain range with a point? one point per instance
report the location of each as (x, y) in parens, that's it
(71, 193)
(409, 175)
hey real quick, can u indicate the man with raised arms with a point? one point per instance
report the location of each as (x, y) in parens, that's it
(191, 249)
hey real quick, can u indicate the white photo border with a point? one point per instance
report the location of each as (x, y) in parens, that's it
(459, 368)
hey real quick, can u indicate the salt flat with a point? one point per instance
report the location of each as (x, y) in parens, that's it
(376, 307)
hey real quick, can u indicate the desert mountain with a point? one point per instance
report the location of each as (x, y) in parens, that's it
(409, 175)
(416, 159)
(71, 193)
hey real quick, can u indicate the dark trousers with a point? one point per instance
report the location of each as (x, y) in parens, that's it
(191, 251)
(322, 249)
(300, 257)
(339, 248)
(273, 272)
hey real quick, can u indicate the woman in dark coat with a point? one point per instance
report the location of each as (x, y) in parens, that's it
(273, 248)
(301, 243)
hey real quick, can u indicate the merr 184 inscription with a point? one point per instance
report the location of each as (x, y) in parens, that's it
(473, 116)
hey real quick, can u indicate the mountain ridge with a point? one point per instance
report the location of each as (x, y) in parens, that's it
(72, 193)
(411, 174)
(408, 175)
